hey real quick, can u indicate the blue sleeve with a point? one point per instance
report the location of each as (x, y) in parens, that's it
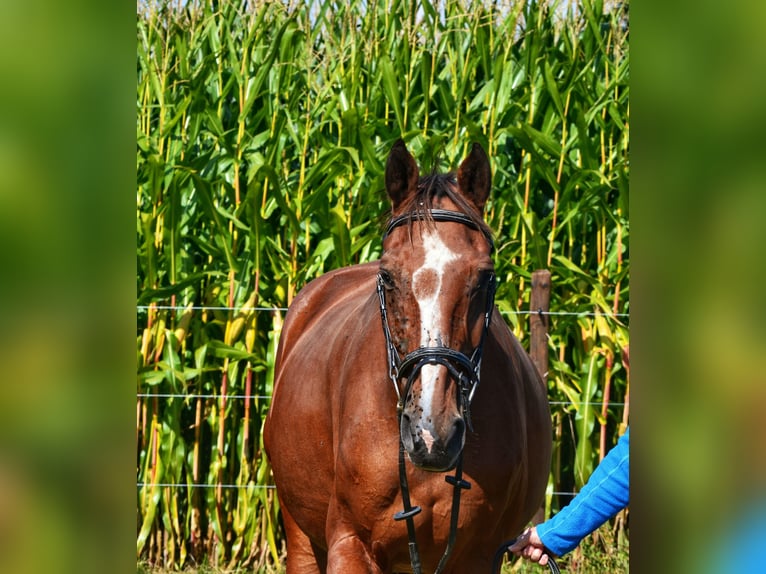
(604, 495)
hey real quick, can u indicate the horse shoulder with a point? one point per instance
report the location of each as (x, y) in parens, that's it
(323, 299)
(515, 355)
(298, 434)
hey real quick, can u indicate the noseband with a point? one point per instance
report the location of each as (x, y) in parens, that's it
(466, 370)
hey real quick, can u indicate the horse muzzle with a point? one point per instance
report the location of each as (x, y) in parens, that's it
(431, 448)
(433, 435)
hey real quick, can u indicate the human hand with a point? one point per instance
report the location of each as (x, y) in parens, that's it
(528, 545)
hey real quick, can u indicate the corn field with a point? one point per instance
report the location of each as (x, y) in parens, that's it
(262, 132)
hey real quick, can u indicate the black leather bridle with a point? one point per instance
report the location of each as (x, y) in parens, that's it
(466, 370)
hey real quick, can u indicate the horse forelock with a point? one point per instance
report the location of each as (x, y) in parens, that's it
(435, 186)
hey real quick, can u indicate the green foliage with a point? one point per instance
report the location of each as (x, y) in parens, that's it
(262, 132)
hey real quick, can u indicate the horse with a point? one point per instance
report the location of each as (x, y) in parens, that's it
(389, 374)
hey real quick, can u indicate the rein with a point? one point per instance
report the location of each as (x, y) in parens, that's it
(497, 562)
(466, 370)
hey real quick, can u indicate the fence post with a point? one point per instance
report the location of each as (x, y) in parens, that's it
(539, 303)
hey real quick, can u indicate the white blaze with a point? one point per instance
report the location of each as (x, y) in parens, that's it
(435, 261)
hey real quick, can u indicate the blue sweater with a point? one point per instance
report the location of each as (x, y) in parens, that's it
(604, 495)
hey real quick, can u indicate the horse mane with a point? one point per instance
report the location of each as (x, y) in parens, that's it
(435, 186)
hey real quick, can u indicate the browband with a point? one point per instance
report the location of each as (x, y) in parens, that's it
(439, 215)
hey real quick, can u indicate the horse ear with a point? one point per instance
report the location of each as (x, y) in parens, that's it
(474, 177)
(401, 174)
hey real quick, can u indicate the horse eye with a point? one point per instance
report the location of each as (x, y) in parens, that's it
(386, 279)
(486, 281)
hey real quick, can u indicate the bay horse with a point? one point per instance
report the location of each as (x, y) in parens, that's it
(376, 394)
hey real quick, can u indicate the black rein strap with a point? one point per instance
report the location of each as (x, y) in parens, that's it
(497, 562)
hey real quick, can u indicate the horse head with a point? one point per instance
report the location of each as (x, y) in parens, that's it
(436, 287)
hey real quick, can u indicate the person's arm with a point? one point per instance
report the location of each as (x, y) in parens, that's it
(604, 495)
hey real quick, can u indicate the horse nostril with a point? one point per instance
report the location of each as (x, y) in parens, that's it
(457, 436)
(405, 432)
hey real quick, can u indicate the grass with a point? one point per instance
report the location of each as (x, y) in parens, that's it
(598, 553)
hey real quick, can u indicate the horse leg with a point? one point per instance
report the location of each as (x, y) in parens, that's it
(349, 554)
(303, 557)
(346, 553)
